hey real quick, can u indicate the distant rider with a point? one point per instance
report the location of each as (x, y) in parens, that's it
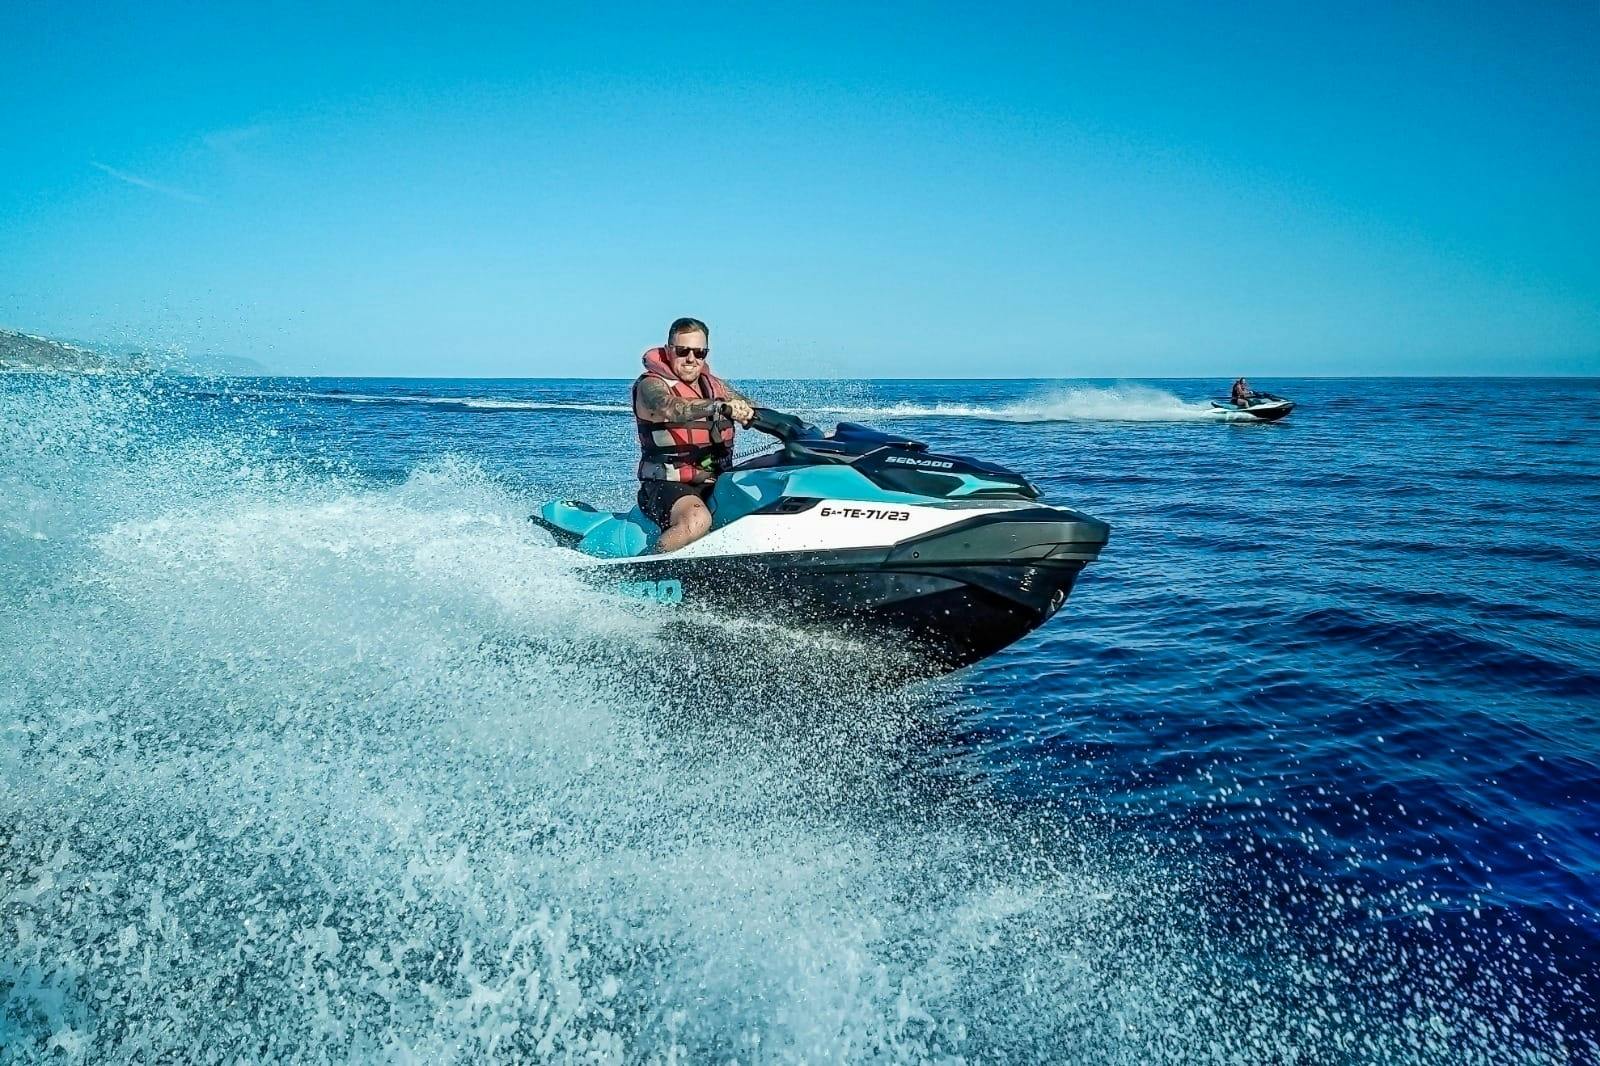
(1242, 393)
(685, 416)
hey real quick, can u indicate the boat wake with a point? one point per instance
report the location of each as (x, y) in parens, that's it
(1121, 403)
(380, 399)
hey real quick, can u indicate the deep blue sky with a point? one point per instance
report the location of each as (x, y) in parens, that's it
(968, 190)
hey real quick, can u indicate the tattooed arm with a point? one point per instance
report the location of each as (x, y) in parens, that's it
(656, 402)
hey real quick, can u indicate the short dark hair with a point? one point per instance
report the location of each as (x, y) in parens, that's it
(684, 325)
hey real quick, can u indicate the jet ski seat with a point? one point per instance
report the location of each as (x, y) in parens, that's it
(583, 527)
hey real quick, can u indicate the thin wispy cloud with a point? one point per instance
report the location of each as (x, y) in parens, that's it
(146, 183)
(232, 139)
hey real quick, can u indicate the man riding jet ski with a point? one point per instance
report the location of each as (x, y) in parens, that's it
(684, 415)
(1260, 406)
(865, 531)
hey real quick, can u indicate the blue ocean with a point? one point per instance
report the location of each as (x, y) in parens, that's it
(313, 748)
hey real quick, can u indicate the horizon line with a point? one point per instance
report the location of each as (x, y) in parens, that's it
(1087, 377)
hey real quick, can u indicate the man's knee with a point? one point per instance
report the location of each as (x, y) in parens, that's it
(700, 519)
(691, 516)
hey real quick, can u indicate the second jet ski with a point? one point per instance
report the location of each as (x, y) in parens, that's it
(1259, 407)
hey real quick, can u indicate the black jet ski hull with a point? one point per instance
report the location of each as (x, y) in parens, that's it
(955, 615)
(955, 596)
(1269, 413)
(1264, 409)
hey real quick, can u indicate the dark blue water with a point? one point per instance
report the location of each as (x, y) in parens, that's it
(300, 717)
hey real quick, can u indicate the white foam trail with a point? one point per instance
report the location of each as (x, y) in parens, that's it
(1122, 403)
(479, 403)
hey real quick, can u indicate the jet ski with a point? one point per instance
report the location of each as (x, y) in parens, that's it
(1263, 407)
(868, 532)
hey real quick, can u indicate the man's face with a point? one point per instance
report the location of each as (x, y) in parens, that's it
(687, 368)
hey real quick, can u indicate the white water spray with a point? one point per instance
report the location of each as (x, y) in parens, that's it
(297, 765)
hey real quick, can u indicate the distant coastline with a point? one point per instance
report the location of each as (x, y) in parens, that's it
(23, 351)
(29, 353)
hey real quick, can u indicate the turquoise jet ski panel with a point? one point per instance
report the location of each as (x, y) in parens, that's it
(623, 537)
(737, 494)
(573, 517)
(600, 533)
(740, 492)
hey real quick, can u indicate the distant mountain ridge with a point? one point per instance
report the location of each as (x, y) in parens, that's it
(25, 351)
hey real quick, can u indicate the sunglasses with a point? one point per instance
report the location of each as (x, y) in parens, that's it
(680, 351)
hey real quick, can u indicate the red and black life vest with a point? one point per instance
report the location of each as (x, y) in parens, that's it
(691, 452)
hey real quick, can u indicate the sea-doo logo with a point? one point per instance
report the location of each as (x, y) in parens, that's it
(865, 512)
(931, 464)
(668, 592)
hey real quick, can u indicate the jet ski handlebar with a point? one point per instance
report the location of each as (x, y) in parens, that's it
(783, 426)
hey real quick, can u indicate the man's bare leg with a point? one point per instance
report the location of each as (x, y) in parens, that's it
(689, 521)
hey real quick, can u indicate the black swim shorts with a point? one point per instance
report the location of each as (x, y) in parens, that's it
(657, 497)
